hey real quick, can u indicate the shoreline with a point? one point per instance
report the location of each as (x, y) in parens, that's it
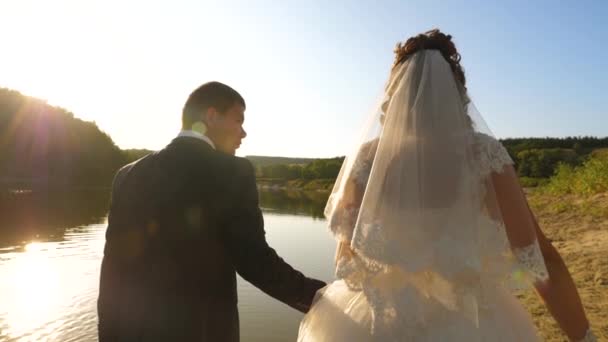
(313, 185)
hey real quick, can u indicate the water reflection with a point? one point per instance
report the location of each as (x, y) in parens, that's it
(33, 282)
(308, 203)
(26, 217)
(48, 289)
(51, 247)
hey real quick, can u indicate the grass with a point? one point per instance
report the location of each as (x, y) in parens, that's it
(531, 182)
(587, 179)
(572, 209)
(578, 228)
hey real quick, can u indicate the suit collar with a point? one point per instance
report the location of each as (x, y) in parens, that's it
(196, 135)
(191, 143)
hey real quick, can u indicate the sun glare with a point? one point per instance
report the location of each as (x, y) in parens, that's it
(34, 283)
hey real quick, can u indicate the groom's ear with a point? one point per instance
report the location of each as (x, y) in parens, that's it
(211, 116)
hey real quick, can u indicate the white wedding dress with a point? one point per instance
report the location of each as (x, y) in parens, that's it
(345, 314)
(432, 259)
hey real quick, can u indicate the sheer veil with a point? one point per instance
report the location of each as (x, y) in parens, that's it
(416, 202)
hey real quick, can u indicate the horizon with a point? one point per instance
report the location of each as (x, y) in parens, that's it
(67, 110)
(308, 72)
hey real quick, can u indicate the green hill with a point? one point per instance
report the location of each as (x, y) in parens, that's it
(43, 146)
(133, 154)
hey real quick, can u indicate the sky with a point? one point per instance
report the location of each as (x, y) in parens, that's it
(310, 71)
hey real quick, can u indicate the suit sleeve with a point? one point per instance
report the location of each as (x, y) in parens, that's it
(116, 186)
(253, 258)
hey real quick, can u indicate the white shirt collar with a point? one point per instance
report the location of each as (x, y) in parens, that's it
(197, 135)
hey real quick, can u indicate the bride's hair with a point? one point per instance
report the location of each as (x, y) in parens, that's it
(432, 40)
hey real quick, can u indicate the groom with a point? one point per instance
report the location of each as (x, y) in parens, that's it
(182, 222)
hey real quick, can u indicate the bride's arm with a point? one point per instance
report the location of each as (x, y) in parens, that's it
(559, 293)
(352, 196)
(351, 201)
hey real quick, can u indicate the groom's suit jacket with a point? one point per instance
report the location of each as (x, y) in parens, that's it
(182, 222)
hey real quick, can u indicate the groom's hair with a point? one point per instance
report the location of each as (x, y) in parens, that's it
(211, 94)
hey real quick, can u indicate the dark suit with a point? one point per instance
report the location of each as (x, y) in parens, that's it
(182, 222)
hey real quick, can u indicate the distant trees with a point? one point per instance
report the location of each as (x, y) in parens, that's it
(317, 169)
(535, 158)
(281, 171)
(44, 146)
(543, 163)
(132, 155)
(540, 157)
(323, 168)
(583, 144)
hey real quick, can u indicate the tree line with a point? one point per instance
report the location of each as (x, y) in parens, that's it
(541, 157)
(46, 146)
(534, 158)
(317, 169)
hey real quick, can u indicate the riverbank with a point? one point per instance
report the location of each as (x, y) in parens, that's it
(320, 185)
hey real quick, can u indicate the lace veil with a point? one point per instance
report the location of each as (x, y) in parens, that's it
(417, 202)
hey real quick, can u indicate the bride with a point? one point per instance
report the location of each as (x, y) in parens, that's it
(434, 232)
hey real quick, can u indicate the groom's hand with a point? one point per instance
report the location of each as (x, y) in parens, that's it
(244, 234)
